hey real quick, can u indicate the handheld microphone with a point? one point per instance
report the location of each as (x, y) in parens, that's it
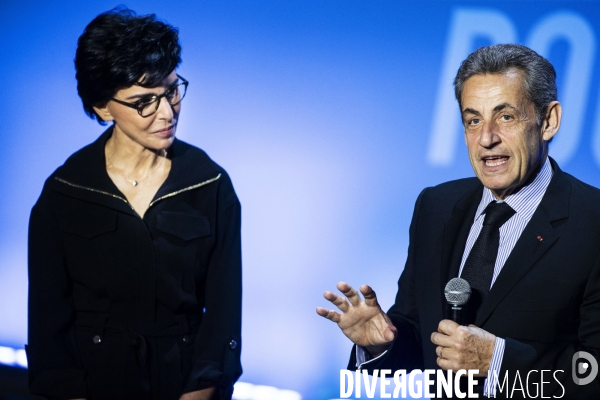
(457, 294)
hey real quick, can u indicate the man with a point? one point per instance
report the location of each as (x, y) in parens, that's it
(537, 298)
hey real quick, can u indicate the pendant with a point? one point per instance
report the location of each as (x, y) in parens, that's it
(134, 183)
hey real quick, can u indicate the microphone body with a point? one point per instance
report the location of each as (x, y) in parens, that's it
(457, 292)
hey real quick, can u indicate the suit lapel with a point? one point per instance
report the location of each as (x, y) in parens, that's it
(529, 248)
(456, 232)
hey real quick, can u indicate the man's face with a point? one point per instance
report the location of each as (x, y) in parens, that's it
(506, 145)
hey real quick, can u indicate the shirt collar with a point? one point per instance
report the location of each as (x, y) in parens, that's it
(526, 200)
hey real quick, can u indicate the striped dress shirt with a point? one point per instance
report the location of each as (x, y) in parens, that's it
(524, 202)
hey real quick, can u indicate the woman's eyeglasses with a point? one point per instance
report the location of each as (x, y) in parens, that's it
(147, 106)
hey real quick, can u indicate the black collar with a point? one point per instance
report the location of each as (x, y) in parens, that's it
(86, 169)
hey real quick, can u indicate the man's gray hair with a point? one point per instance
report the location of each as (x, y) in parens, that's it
(540, 77)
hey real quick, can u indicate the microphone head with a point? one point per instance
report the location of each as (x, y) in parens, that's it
(457, 291)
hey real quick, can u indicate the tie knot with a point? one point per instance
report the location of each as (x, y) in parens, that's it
(496, 214)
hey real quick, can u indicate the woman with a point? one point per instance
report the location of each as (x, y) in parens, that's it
(134, 243)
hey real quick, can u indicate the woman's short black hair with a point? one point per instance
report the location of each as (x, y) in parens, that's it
(119, 48)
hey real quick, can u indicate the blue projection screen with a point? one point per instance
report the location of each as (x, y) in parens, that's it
(330, 116)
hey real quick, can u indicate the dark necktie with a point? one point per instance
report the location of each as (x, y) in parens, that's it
(479, 267)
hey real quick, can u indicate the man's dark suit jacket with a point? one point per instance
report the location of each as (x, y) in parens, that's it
(545, 303)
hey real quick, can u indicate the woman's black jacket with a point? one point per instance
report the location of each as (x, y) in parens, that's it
(128, 307)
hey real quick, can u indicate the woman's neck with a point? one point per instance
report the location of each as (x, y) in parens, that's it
(130, 158)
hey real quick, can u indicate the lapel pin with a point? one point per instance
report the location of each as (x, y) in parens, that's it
(540, 238)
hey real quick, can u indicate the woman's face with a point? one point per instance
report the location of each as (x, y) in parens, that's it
(155, 132)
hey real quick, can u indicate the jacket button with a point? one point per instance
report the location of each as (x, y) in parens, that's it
(97, 339)
(186, 339)
(233, 344)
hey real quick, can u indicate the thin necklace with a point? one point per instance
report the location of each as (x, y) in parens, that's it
(135, 182)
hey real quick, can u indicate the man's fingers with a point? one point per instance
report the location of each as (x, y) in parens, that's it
(349, 292)
(341, 303)
(444, 363)
(330, 296)
(448, 353)
(329, 314)
(441, 339)
(322, 311)
(447, 326)
(369, 295)
(390, 334)
(448, 358)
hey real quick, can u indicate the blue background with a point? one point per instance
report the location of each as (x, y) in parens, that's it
(322, 111)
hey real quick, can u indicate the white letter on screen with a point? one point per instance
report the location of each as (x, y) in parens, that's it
(384, 382)
(466, 25)
(577, 32)
(346, 375)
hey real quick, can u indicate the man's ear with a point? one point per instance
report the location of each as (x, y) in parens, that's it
(103, 112)
(551, 121)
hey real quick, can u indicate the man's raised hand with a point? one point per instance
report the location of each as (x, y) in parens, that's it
(363, 322)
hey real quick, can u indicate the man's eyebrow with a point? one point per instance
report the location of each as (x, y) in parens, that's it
(499, 107)
(502, 106)
(470, 111)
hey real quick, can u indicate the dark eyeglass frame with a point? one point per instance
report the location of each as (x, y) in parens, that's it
(142, 103)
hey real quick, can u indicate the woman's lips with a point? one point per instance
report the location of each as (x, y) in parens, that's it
(167, 132)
